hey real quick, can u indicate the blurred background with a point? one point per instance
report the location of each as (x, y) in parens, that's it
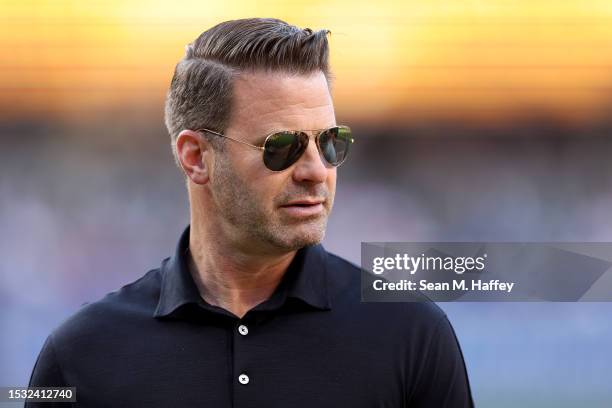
(474, 120)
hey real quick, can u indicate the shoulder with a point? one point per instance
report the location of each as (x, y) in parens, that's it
(347, 278)
(120, 308)
(96, 326)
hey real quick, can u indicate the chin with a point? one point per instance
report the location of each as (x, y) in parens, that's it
(294, 239)
(291, 236)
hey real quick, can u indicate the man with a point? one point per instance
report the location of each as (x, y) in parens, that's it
(251, 311)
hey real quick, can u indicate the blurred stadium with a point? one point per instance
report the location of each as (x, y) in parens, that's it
(474, 121)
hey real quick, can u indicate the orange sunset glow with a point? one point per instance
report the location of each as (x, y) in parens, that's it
(394, 60)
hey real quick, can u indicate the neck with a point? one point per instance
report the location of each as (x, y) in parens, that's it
(230, 277)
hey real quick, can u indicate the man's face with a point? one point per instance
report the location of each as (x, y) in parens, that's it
(253, 201)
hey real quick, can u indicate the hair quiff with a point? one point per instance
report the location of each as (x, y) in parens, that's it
(201, 89)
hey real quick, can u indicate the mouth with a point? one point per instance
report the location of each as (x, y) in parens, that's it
(303, 208)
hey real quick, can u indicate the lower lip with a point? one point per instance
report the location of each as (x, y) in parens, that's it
(303, 210)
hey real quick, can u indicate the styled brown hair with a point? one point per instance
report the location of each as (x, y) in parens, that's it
(200, 93)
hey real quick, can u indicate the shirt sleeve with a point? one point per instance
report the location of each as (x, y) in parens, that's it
(48, 373)
(443, 381)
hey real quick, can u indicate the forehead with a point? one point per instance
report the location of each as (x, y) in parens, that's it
(267, 101)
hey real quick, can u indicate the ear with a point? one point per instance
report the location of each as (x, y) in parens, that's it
(194, 154)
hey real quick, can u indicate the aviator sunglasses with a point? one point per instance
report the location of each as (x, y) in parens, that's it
(282, 149)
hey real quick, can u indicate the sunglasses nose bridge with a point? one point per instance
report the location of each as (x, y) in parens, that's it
(313, 136)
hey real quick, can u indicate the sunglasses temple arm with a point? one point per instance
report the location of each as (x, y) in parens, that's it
(231, 138)
(245, 143)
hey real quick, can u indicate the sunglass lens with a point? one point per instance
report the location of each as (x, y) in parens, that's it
(334, 144)
(282, 149)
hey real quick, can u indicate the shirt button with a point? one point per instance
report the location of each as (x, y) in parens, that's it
(243, 379)
(242, 329)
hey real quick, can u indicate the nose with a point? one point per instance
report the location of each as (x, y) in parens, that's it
(310, 167)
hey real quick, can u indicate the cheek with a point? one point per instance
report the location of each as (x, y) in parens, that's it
(267, 188)
(248, 166)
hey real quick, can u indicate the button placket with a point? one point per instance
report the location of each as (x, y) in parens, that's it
(242, 361)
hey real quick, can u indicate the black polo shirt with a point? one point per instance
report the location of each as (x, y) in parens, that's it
(156, 343)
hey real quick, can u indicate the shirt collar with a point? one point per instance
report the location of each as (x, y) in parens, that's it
(305, 280)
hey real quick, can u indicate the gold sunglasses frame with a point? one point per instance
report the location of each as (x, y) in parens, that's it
(263, 148)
